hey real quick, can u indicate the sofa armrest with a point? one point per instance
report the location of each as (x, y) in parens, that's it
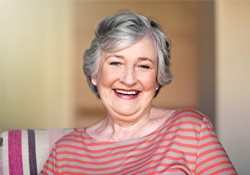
(25, 151)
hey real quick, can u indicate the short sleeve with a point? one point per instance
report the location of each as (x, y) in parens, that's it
(212, 159)
(49, 167)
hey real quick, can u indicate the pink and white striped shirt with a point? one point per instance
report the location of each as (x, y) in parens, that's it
(185, 144)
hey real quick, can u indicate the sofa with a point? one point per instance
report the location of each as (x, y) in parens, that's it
(24, 152)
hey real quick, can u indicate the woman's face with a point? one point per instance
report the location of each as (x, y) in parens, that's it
(126, 81)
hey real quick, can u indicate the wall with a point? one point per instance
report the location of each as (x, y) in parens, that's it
(207, 59)
(232, 80)
(41, 47)
(35, 67)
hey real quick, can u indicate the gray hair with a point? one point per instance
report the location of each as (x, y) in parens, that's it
(121, 30)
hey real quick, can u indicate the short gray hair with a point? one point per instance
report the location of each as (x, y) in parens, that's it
(121, 30)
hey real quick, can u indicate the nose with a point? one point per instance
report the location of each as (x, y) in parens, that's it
(129, 77)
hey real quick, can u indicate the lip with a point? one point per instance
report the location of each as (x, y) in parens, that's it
(126, 94)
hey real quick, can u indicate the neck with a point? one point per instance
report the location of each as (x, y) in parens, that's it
(127, 126)
(126, 130)
(110, 130)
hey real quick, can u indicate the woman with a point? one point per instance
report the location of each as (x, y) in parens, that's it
(126, 65)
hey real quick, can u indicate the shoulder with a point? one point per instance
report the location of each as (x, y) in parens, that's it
(188, 117)
(73, 138)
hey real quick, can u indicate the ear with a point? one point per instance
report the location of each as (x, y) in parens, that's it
(157, 86)
(94, 80)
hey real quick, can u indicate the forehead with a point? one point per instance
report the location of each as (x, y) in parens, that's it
(142, 50)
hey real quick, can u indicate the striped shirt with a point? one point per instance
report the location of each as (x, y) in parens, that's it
(185, 144)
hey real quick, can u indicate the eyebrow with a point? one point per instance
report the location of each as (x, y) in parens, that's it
(122, 57)
(116, 56)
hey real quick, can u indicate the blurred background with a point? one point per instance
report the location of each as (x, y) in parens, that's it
(42, 84)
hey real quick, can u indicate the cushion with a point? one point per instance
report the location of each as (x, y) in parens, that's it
(25, 151)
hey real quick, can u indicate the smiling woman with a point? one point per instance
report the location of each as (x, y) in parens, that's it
(126, 65)
(126, 81)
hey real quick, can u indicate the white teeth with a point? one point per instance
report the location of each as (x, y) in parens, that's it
(126, 92)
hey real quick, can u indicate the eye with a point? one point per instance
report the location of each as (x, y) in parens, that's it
(144, 66)
(115, 63)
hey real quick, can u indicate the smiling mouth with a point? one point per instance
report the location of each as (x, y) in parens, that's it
(127, 93)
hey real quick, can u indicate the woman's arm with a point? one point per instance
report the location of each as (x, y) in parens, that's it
(211, 157)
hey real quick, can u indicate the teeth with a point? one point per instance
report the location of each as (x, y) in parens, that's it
(126, 92)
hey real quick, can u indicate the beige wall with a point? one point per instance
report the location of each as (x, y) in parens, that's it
(42, 84)
(36, 47)
(233, 80)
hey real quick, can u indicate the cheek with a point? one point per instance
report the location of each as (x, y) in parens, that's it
(106, 78)
(149, 82)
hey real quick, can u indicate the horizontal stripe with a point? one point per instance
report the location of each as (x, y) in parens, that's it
(212, 159)
(89, 147)
(185, 143)
(210, 166)
(130, 159)
(230, 171)
(104, 157)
